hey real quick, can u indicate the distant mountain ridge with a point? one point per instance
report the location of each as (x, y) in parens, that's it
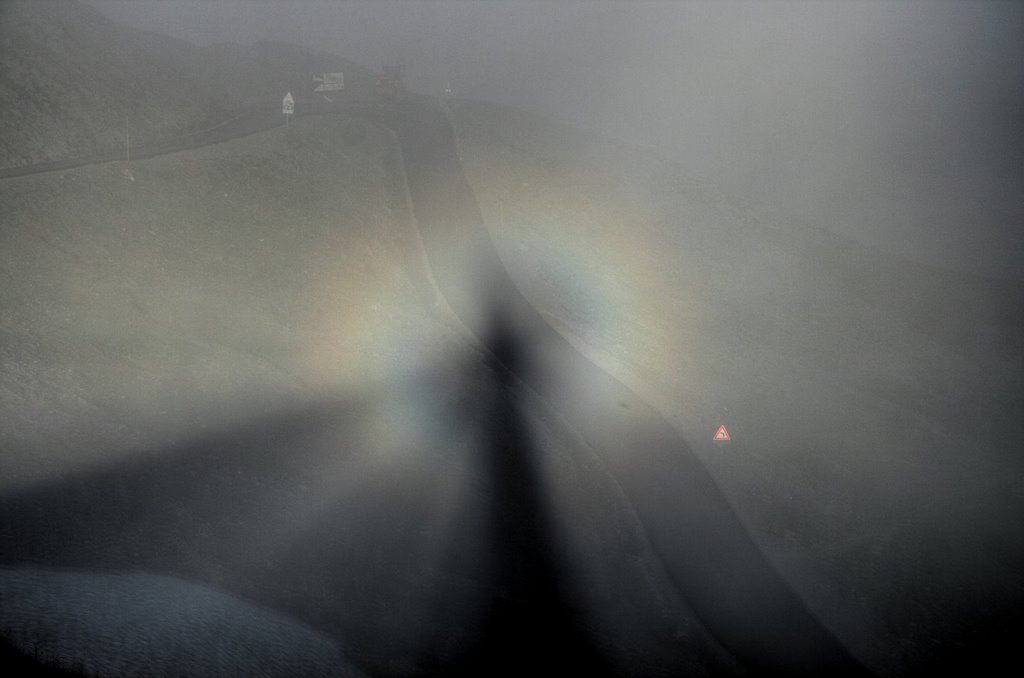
(71, 80)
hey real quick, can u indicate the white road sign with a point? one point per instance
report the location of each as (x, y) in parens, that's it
(329, 82)
(288, 104)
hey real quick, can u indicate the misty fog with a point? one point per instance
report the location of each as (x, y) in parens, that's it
(484, 337)
(894, 123)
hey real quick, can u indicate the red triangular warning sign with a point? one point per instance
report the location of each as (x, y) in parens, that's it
(721, 434)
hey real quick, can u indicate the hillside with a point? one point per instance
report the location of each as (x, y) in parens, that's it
(69, 79)
(875, 405)
(208, 276)
(247, 278)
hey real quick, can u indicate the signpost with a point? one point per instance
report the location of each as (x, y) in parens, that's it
(329, 82)
(287, 107)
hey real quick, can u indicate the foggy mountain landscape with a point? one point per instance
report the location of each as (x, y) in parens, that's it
(427, 383)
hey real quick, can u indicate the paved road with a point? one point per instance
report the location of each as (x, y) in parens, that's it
(708, 554)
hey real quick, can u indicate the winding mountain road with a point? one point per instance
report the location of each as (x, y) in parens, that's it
(708, 554)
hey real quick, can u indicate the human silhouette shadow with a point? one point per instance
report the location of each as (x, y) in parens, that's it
(295, 512)
(532, 619)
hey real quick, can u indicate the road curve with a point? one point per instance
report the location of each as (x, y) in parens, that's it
(708, 554)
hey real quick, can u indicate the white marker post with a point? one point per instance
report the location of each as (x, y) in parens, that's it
(287, 107)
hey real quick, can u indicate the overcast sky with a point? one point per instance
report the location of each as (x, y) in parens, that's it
(899, 124)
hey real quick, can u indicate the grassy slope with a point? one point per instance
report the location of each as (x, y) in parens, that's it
(69, 77)
(875, 404)
(257, 267)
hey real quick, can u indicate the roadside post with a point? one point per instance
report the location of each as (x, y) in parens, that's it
(287, 107)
